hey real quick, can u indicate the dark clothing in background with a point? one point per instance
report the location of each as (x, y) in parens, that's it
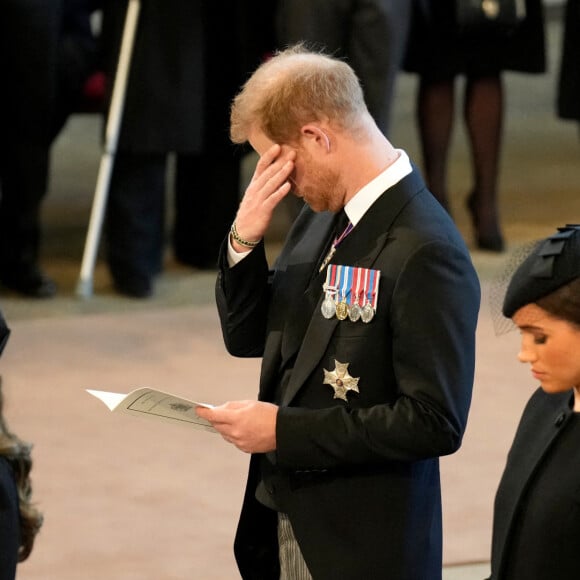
(29, 31)
(78, 58)
(370, 35)
(165, 86)
(162, 114)
(568, 105)
(190, 58)
(437, 49)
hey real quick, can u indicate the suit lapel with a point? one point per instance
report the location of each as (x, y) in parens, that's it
(307, 240)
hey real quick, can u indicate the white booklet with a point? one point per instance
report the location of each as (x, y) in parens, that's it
(146, 402)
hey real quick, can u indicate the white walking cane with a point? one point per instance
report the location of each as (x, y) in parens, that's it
(85, 283)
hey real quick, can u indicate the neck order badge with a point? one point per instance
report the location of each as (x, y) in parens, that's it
(343, 218)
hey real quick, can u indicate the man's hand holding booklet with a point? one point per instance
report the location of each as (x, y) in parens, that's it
(147, 402)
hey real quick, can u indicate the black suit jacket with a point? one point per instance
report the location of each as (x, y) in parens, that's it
(358, 479)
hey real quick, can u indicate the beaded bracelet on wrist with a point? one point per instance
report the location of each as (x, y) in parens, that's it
(240, 240)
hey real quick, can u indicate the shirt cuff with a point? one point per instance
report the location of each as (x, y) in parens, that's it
(233, 256)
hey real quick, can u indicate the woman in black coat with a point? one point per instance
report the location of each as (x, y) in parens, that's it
(536, 526)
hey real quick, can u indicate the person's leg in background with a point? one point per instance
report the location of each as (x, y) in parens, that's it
(483, 116)
(24, 171)
(483, 113)
(136, 222)
(435, 115)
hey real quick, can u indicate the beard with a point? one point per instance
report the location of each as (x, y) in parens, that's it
(322, 190)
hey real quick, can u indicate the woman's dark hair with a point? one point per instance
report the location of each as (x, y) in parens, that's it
(18, 454)
(563, 303)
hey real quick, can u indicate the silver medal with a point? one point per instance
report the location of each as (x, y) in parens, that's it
(354, 312)
(328, 307)
(367, 313)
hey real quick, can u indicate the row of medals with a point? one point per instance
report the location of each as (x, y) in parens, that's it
(342, 310)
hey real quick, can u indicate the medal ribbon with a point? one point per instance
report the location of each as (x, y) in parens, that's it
(338, 282)
(345, 282)
(345, 233)
(355, 296)
(366, 286)
(330, 285)
(374, 288)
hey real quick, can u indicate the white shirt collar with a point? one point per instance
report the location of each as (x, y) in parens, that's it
(365, 197)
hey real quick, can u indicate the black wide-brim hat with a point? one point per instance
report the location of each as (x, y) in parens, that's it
(4, 333)
(553, 262)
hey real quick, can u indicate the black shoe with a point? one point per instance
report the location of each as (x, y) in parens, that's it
(487, 238)
(29, 282)
(134, 286)
(491, 242)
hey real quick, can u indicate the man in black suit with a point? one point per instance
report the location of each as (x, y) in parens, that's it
(188, 60)
(366, 331)
(162, 114)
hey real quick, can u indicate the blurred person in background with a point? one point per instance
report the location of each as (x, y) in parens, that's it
(188, 60)
(29, 35)
(568, 104)
(439, 52)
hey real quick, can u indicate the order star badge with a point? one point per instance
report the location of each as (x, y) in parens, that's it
(340, 380)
